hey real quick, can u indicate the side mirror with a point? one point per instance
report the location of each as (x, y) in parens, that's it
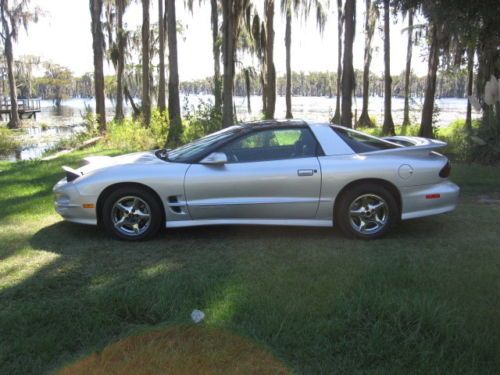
(215, 158)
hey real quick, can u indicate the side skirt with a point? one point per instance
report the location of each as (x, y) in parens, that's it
(283, 222)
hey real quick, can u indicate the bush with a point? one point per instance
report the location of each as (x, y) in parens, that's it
(8, 143)
(485, 144)
(131, 135)
(200, 120)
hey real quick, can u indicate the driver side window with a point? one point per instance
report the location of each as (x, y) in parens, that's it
(272, 144)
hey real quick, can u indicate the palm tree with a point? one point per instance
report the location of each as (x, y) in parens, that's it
(470, 78)
(370, 22)
(348, 76)
(340, 28)
(430, 87)
(236, 18)
(98, 48)
(146, 95)
(270, 76)
(409, 47)
(120, 57)
(174, 106)
(161, 52)
(228, 32)
(214, 17)
(13, 15)
(288, 7)
(388, 126)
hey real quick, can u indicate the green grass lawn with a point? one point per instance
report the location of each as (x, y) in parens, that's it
(423, 300)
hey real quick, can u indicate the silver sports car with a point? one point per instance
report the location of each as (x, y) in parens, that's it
(267, 172)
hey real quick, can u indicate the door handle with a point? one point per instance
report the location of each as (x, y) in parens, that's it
(306, 172)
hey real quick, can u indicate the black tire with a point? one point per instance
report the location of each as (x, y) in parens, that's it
(146, 202)
(357, 205)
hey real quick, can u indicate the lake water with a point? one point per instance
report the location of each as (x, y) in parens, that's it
(54, 124)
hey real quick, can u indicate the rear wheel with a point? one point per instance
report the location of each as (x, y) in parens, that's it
(132, 214)
(366, 211)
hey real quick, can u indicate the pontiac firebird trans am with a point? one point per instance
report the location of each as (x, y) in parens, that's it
(268, 172)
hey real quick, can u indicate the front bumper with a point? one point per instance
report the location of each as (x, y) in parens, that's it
(69, 203)
(427, 200)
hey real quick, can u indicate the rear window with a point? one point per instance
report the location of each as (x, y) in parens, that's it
(360, 142)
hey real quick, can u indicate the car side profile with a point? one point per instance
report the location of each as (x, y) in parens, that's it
(263, 173)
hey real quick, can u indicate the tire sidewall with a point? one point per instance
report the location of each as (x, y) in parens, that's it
(347, 198)
(148, 197)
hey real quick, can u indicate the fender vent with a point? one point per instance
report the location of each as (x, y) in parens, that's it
(175, 205)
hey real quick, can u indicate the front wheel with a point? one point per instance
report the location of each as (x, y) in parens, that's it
(366, 211)
(132, 214)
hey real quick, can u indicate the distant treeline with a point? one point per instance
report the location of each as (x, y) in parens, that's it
(450, 84)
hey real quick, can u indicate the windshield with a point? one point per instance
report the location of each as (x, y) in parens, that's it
(189, 151)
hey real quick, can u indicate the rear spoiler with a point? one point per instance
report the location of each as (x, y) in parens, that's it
(71, 174)
(411, 145)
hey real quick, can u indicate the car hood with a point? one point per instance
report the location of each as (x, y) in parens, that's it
(98, 163)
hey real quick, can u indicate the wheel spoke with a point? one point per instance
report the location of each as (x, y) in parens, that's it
(120, 222)
(362, 225)
(142, 215)
(376, 206)
(357, 211)
(123, 208)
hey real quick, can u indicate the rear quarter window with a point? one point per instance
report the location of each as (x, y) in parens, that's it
(361, 143)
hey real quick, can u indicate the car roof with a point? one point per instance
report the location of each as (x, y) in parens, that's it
(263, 124)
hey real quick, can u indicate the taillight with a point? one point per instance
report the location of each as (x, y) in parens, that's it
(446, 170)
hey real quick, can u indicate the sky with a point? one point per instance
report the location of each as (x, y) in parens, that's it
(63, 36)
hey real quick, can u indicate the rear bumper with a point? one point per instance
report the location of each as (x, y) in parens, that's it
(427, 200)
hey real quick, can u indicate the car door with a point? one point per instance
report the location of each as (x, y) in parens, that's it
(270, 174)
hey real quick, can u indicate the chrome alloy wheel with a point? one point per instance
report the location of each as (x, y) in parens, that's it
(368, 214)
(131, 216)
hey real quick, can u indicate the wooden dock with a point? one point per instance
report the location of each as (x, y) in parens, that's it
(27, 108)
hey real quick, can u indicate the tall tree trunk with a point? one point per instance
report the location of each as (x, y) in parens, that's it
(127, 94)
(348, 76)
(430, 88)
(340, 27)
(269, 58)
(228, 35)
(263, 85)
(161, 53)
(146, 94)
(216, 52)
(288, 47)
(98, 48)
(388, 126)
(174, 104)
(9, 56)
(409, 49)
(120, 66)
(470, 78)
(248, 89)
(364, 119)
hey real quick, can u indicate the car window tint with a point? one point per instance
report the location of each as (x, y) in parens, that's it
(190, 150)
(273, 144)
(360, 142)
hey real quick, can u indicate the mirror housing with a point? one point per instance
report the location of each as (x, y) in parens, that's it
(215, 158)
